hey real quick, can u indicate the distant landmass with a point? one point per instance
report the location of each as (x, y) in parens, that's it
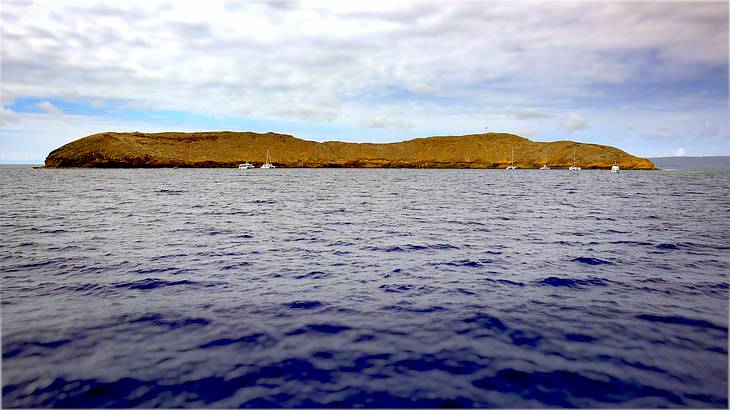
(228, 149)
(713, 162)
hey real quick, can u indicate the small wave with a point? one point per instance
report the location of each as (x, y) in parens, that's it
(158, 319)
(334, 211)
(169, 256)
(85, 288)
(235, 265)
(34, 265)
(561, 387)
(409, 309)
(319, 328)
(579, 337)
(637, 243)
(305, 304)
(469, 263)
(504, 282)
(53, 231)
(679, 320)
(214, 232)
(312, 275)
(170, 191)
(12, 350)
(396, 288)
(525, 338)
(591, 261)
(412, 248)
(154, 283)
(448, 362)
(155, 270)
(252, 340)
(486, 321)
(462, 291)
(571, 283)
(341, 243)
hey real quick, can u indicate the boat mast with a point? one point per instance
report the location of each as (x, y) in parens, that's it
(513, 157)
(573, 154)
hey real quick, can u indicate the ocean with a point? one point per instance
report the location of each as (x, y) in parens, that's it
(364, 288)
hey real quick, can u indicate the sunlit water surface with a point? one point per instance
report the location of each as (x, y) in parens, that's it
(369, 288)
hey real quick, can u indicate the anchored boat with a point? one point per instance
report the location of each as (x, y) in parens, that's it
(512, 163)
(544, 167)
(574, 167)
(267, 164)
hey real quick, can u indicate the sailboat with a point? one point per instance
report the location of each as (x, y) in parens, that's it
(545, 167)
(512, 163)
(574, 167)
(267, 164)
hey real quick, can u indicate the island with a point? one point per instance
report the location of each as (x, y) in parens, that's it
(228, 149)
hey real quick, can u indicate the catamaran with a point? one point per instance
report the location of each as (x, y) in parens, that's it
(267, 164)
(574, 167)
(512, 163)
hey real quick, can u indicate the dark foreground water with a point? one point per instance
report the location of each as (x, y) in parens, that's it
(368, 288)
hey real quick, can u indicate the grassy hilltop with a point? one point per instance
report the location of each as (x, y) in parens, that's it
(228, 149)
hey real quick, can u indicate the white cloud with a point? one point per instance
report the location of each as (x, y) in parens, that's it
(139, 105)
(528, 132)
(574, 122)
(7, 116)
(659, 132)
(422, 88)
(709, 130)
(258, 57)
(308, 112)
(380, 121)
(680, 152)
(97, 103)
(49, 108)
(525, 113)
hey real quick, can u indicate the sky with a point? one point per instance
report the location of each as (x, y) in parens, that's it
(650, 78)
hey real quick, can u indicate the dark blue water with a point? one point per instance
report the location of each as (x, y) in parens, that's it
(364, 288)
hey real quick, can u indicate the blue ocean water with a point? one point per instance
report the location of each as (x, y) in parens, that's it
(364, 288)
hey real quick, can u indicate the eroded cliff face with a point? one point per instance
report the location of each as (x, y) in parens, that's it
(228, 149)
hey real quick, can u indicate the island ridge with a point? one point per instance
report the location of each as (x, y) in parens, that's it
(228, 149)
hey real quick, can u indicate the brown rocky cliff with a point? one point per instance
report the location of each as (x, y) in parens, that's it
(228, 149)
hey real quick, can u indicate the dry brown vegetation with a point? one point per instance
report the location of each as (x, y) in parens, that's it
(228, 149)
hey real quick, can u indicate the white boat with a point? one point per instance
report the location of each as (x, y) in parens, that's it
(574, 167)
(545, 167)
(615, 168)
(512, 163)
(246, 165)
(267, 164)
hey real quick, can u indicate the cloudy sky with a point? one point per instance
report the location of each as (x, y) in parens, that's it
(648, 77)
